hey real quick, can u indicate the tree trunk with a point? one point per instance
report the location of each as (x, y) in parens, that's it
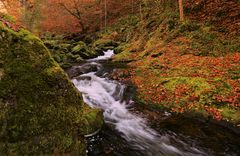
(132, 7)
(105, 16)
(140, 9)
(181, 10)
(82, 26)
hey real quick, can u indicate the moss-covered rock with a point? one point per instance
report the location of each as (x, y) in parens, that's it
(41, 112)
(68, 52)
(51, 44)
(104, 44)
(62, 53)
(83, 50)
(120, 48)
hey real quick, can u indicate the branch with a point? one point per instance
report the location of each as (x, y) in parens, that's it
(76, 13)
(69, 11)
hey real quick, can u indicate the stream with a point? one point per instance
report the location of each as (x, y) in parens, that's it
(129, 133)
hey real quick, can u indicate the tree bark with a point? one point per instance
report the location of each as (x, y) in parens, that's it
(75, 13)
(105, 16)
(181, 10)
(140, 9)
(132, 7)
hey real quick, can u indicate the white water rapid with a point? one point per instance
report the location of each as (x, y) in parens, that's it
(108, 95)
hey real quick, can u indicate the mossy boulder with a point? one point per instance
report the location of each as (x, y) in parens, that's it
(41, 112)
(104, 44)
(83, 50)
(120, 48)
(51, 44)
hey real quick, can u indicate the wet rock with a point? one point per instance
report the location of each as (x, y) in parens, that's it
(77, 70)
(83, 78)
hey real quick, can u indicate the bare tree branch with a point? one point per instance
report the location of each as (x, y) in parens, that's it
(75, 12)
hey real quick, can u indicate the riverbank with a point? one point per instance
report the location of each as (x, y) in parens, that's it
(155, 113)
(217, 96)
(211, 136)
(185, 67)
(136, 131)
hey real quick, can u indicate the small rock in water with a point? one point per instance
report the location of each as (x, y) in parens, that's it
(78, 70)
(167, 114)
(84, 78)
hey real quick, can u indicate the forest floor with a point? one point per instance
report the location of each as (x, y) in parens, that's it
(191, 66)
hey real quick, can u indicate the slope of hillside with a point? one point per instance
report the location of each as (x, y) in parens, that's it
(223, 14)
(190, 66)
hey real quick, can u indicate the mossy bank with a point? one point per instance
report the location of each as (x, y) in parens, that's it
(189, 66)
(41, 112)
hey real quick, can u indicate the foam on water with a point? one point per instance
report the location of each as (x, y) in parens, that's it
(107, 54)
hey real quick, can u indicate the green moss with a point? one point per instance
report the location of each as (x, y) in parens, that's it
(1, 73)
(83, 50)
(51, 44)
(120, 48)
(80, 47)
(231, 114)
(188, 26)
(8, 18)
(92, 119)
(65, 46)
(234, 72)
(101, 43)
(57, 58)
(67, 53)
(78, 58)
(199, 84)
(206, 42)
(41, 112)
(66, 65)
(123, 56)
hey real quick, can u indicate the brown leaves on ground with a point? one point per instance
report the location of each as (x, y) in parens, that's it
(223, 14)
(216, 78)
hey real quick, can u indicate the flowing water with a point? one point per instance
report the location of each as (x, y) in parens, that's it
(129, 133)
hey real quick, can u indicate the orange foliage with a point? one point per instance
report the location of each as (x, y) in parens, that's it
(55, 18)
(12, 7)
